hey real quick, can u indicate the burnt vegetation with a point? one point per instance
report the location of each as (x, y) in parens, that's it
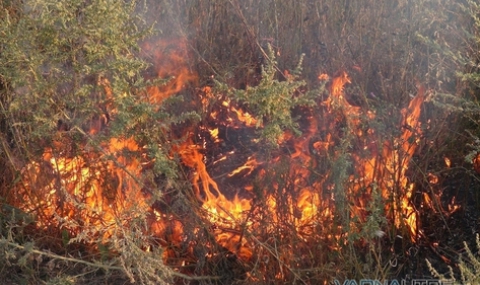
(238, 141)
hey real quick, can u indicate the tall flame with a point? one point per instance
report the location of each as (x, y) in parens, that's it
(78, 190)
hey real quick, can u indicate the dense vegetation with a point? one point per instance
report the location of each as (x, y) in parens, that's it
(116, 90)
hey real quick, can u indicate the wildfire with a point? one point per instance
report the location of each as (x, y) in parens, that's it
(170, 59)
(54, 188)
(58, 184)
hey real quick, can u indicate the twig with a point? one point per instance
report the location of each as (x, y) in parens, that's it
(97, 265)
(277, 257)
(56, 256)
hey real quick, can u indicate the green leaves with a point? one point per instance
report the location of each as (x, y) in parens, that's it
(272, 100)
(53, 54)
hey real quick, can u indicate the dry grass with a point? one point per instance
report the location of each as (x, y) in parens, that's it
(374, 41)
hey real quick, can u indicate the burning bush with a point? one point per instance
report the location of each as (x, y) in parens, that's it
(146, 156)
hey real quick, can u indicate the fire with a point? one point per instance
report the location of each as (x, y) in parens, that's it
(106, 182)
(249, 166)
(170, 59)
(245, 117)
(100, 187)
(385, 163)
(226, 214)
(242, 118)
(57, 185)
(448, 162)
(385, 167)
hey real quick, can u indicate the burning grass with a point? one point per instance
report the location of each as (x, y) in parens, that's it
(269, 222)
(268, 179)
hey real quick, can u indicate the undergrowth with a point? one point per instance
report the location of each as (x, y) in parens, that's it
(79, 113)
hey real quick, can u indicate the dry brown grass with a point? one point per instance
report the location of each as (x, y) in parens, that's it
(374, 41)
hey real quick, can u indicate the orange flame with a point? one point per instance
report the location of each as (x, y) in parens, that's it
(58, 185)
(109, 190)
(171, 59)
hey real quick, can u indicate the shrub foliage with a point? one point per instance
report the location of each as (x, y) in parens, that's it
(76, 81)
